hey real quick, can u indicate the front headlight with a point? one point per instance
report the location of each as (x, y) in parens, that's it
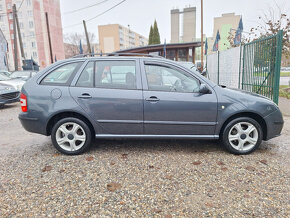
(18, 87)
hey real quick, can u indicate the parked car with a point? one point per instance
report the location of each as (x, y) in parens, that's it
(24, 75)
(192, 67)
(77, 99)
(4, 72)
(16, 83)
(8, 94)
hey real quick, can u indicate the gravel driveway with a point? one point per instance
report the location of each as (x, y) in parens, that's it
(138, 178)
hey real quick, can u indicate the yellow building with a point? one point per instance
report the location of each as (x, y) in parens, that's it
(114, 37)
(226, 24)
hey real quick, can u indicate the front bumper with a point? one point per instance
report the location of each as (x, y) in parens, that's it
(274, 122)
(9, 101)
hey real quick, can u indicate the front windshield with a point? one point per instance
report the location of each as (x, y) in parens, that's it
(4, 77)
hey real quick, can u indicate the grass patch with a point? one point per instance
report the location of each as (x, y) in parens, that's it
(284, 74)
(284, 91)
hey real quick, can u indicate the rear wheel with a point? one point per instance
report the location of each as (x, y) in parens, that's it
(71, 136)
(242, 135)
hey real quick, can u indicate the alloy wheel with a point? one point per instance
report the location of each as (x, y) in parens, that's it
(70, 136)
(243, 136)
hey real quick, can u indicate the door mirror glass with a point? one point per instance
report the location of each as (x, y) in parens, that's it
(203, 89)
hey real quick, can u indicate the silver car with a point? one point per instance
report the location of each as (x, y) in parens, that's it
(16, 83)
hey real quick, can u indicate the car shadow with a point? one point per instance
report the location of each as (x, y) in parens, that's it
(149, 145)
(9, 106)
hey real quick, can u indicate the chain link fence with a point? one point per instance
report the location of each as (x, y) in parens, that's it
(224, 67)
(254, 67)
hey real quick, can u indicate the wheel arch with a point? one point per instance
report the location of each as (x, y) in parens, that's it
(64, 114)
(252, 115)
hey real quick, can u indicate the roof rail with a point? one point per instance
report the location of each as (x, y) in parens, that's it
(116, 54)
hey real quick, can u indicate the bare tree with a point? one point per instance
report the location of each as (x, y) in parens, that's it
(72, 43)
(269, 24)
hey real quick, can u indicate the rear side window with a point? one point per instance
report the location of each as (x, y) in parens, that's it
(62, 75)
(115, 74)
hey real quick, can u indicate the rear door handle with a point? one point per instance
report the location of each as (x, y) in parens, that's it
(152, 99)
(85, 96)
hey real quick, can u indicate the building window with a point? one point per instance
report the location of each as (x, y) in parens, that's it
(29, 13)
(23, 35)
(28, 2)
(1, 17)
(9, 5)
(34, 54)
(10, 16)
(24, 45)
(30, 24)
(31, 34)
(11, 26)
(33, 44)
(21, 25)
(1, 8)
(12, 36)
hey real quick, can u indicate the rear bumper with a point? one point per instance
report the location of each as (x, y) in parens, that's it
(32, 124)
(274, 122)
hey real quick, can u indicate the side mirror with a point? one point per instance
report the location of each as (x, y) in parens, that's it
(203, 89)
(203, 72)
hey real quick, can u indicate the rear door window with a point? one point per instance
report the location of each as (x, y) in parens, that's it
(115, 74)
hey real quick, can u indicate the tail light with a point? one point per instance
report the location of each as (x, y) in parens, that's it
(23, 102)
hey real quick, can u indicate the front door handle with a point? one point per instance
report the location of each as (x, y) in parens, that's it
(152, 99)
(85, 96)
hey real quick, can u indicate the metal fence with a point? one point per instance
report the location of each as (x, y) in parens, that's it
(254, 67)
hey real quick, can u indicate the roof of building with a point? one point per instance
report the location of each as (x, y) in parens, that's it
(158, 47)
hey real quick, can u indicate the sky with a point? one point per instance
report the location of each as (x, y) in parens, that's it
(140, 14)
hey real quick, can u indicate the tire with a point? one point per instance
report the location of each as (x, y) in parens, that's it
(242, 135)
(71, 136)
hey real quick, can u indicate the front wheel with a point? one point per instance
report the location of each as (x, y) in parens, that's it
(242, 135)
(71, 136)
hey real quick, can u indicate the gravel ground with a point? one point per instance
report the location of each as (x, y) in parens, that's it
(138, 178)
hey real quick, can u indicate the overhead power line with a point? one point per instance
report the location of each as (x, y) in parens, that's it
(96, 15)
(106, 11)
(89, 6)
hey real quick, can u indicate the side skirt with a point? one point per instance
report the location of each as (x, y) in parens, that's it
(110, 136)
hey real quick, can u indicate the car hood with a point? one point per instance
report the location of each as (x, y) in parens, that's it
(247, 93)
(16, 83)
(6, 89)
(13, 82)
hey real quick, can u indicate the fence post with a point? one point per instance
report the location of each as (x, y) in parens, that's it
(243, 72)
(240, 66)
(218, 79)
(277, 66)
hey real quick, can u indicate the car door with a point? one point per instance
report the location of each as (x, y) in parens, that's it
(173, 104)
(110, 91)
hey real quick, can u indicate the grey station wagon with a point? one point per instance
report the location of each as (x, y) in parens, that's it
(80, 99)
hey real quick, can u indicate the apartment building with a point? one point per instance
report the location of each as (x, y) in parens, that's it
(115, 37)
(183, 25)
(33, 28)
(226, 24)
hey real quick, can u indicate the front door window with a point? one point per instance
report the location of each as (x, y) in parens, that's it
(162, 78)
